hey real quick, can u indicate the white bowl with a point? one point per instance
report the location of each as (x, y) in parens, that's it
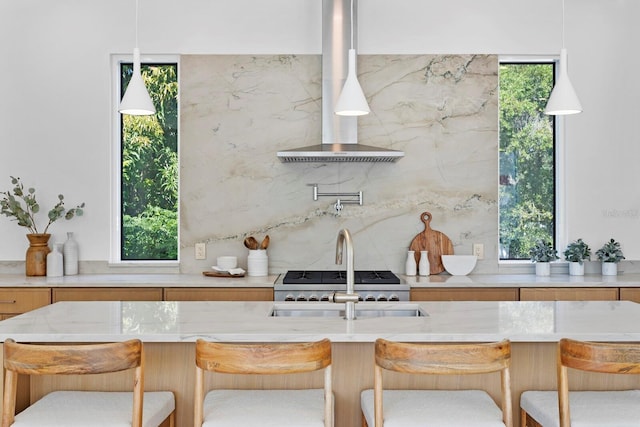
(459, 265)
(227, 262)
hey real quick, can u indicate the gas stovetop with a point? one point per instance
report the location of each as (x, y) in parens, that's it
(311, 277)
(315, 285)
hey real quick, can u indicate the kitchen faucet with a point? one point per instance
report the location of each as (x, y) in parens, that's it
(350, 298)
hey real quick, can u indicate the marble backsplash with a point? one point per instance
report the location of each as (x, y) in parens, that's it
(237, 111)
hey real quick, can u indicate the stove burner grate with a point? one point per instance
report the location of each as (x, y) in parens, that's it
(339, 277)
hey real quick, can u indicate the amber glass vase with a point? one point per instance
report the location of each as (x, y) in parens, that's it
(36, 258)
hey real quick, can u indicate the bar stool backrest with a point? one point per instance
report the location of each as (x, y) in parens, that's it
(264, 359)
(612, 358)
(36, 359)
(444, 359)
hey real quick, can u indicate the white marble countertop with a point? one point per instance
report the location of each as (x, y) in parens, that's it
(522, 281)
(138, 280)
(251, 321)
(435, 281)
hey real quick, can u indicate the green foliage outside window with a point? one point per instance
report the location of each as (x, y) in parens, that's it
(527, 173)
(150, 170)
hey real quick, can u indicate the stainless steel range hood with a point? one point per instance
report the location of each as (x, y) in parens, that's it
(339, 133)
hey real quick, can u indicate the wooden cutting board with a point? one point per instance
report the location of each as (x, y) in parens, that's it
(435, 242)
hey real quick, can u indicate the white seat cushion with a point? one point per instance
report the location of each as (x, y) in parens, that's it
(587, 408)
(95, 408)
(434, 408)
(264, 408)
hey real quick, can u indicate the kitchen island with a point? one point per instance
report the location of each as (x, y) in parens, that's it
(169, 330)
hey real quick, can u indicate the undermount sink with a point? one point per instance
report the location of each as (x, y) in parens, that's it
(363, 310)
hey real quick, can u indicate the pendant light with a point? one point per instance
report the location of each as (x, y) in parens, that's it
(352, 101)
(563, 99)
(136, 100)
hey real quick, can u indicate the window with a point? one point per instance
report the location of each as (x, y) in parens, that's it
(527, 187)
(146, 176)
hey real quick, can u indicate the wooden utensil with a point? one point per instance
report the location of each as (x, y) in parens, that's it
(251, 243)
(435, 242)
(265, 242)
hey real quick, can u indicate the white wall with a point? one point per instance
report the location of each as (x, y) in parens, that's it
(55, 103)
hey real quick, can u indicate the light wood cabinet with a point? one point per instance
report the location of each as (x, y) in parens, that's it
(218, 294)
(569, 294)
(107, 294)
(14, 301)
(630, 294)
(464, 294)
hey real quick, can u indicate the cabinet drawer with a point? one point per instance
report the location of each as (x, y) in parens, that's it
(218, 294)
(464, 294)
(568, 294)
(630, 294)
(107, 294)
(20, 300)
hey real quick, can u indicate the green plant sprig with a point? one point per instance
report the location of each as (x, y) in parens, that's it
(543, 252)
(11, 206)
(610, 252)
(577, 251)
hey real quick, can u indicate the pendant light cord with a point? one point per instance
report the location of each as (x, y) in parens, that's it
(351, 24)
(136, 23)
(562, 24)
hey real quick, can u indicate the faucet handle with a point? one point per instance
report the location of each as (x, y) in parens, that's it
(341, 297)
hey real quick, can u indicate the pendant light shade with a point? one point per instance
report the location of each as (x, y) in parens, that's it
(563, 99)
(136, 100)
(352, 101)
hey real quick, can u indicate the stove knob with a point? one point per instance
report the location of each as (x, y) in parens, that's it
(394, 297)
(289, 297)
(381, 297)
(324, 297)
(360, 298)
(369, 298)
(301, 297)
(313, 297)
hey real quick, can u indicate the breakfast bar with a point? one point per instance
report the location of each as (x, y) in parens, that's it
(170, 328)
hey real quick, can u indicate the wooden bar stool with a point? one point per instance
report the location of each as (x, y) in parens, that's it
(562, 408)
(408, 408)
(83, 408)
(259, 408)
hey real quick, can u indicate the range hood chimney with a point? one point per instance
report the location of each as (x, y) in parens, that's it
(339, 133)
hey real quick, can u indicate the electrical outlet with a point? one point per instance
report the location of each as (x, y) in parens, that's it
(478, 250)
(201, 251)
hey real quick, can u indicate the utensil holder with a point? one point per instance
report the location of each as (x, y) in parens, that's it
(258, 263)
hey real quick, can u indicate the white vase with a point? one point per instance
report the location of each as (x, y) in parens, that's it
(576, 268)
(543, 269)
(70, 252)
(410, 265)
(424, 268)
(609, 269)
(55, 266)
(258, 263)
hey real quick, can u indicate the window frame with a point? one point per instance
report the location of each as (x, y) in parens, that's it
(115, 251)
(560, 210)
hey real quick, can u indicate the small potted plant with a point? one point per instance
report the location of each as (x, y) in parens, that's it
(610, 254)
(542, 254)
(21, 206)
(576, 253)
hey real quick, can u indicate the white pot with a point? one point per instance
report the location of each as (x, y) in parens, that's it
(609, 269)
(258, 263)
(576, 268)
(543, 269)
